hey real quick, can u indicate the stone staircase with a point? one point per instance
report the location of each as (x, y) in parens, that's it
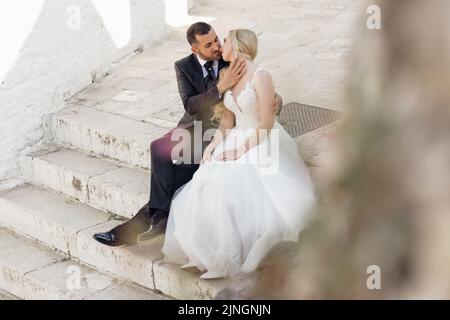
(91, 177)
(72, 194)
(93, 173)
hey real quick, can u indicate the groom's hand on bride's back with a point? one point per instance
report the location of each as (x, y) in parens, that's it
(276, 103)
(232, 75)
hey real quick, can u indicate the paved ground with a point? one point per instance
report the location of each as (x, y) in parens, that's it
(305, 44)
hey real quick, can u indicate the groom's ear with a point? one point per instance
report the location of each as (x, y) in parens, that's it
(194, 49)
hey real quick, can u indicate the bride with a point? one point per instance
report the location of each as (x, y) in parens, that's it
(251, 190)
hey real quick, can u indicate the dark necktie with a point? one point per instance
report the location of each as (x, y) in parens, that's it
(210, 78)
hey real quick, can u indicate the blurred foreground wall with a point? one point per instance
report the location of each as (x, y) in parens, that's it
(384, 229)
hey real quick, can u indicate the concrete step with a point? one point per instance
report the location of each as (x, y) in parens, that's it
(104, 184)
(4, 295)
(68, 225)
(30, 270)
(105, 134)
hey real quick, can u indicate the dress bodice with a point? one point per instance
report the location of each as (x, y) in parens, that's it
(245, 107)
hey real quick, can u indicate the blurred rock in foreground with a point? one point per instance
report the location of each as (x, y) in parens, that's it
(387, 201)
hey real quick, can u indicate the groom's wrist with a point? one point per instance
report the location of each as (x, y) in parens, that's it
(220, 89)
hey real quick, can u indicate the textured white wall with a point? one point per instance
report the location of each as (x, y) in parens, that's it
(50, 50)
(190, 6)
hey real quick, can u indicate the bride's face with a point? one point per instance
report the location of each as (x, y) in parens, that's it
(228, 53)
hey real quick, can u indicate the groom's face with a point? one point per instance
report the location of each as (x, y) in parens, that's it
(207, 46)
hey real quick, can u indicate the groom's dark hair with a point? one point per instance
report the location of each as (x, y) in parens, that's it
(198, 28)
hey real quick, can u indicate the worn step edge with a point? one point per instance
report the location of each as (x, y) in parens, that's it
(105, 134)
(103, 184)
(29, 270)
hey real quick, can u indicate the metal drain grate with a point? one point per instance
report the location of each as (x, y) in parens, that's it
(298, 119)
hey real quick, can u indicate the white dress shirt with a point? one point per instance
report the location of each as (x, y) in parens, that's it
(205, 72)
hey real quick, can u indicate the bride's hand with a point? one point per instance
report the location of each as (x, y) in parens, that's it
(231, 155)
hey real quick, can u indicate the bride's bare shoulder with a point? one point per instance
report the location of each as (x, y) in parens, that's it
(263, 78)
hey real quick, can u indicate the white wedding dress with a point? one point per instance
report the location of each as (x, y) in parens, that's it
(226, 219)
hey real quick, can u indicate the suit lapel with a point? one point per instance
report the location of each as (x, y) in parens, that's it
(197, 74)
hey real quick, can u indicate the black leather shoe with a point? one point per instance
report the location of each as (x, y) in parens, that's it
(128, 232)
(110, 239)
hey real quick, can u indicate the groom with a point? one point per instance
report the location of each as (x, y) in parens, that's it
(200, 89)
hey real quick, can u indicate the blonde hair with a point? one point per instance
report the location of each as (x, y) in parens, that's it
(218, 109)
(245, 43)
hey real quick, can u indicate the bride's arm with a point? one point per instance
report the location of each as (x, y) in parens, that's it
(265, 92)
(226, 124)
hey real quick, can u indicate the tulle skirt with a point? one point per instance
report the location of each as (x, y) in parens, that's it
(226, 219)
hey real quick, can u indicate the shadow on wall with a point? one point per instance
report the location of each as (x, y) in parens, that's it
(52, 49)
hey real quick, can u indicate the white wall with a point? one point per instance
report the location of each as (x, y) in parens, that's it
(190, 5)
(50, 50)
